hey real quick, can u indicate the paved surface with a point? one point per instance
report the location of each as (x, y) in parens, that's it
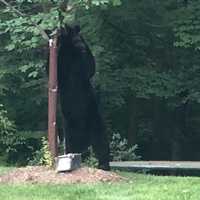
(156, 165)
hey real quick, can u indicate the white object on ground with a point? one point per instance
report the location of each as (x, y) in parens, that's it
(68, 162)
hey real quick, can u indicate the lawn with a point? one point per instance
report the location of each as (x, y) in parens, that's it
(139, 187)
(4, 169)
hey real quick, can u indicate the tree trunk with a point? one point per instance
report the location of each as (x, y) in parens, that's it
(132, 124)
(157, 148)
(179, 121)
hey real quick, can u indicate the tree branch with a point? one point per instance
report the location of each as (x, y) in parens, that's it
(43, 33)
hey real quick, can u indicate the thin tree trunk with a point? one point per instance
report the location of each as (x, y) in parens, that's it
(180, 127)
(157, 150)
(132, 126)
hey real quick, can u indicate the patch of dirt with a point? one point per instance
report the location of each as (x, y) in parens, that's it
(40, 174)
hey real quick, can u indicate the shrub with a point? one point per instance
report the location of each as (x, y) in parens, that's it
(15, 148)
(7, 132)
(120, 151)
(91, 160)
(42, 156)
(9, 141)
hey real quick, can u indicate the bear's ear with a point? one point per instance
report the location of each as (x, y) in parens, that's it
(48, 32)
(77, 28)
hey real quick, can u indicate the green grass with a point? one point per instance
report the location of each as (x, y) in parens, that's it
(139, 187)
(4, 169)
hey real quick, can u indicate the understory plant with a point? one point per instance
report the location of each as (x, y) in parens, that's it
(7, 131)
(120, 150)
(10, 141)
(42, 156)
(91, 160)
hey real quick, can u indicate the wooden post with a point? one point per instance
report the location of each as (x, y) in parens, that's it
(52, 102)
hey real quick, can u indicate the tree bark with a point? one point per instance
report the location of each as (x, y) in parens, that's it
(132, 126)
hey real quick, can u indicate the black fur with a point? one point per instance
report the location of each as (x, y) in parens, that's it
(84, 124)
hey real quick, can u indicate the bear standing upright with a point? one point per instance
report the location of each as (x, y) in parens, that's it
(83, 122)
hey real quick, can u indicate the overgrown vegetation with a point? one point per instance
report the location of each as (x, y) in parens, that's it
(15, 147)
(90, 160)
(121, 151)
(9, 141)
(42, 156)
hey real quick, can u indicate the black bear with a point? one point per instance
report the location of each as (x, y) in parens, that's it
(83, 122)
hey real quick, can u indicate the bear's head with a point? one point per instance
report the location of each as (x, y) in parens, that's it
(67, 34)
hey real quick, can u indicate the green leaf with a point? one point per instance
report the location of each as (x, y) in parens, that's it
(10, 47)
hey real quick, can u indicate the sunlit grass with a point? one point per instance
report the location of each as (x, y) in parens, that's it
(4, 169)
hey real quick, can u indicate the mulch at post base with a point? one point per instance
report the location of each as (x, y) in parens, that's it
(41, 174)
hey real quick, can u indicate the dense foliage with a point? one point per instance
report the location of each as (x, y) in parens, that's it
(7, 132)
(16, 147)
(147, 79)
